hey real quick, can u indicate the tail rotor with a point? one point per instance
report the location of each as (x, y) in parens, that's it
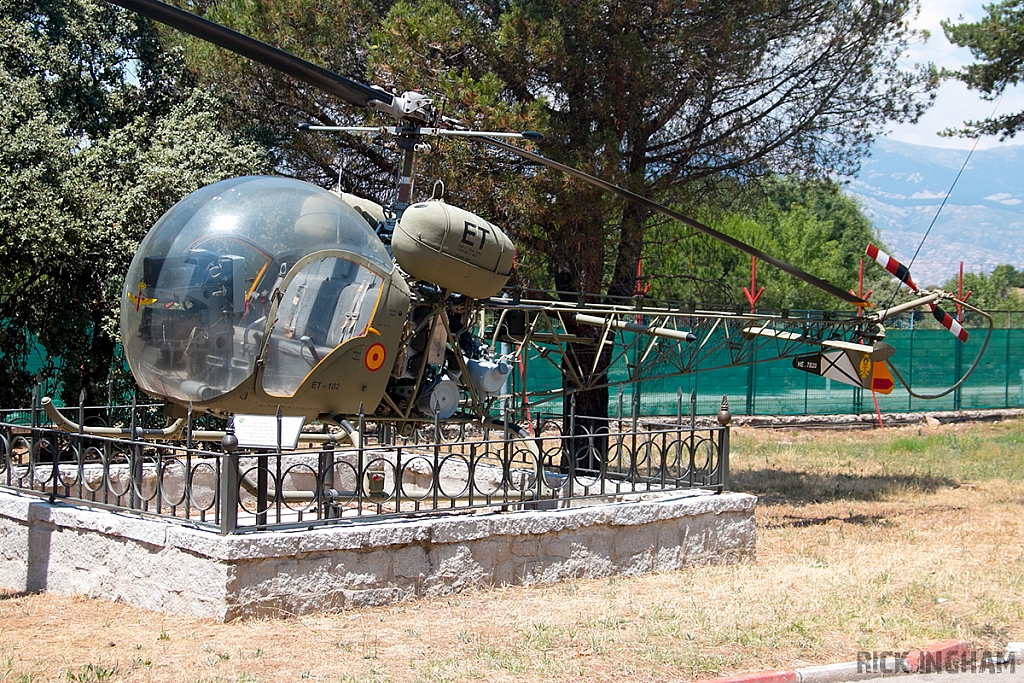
(902, 273)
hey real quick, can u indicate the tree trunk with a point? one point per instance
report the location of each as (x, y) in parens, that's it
(584, 410)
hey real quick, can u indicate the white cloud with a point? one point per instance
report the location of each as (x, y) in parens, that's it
(909, 178)
(1003, 198)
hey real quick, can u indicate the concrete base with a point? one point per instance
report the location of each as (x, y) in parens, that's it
(166, 566)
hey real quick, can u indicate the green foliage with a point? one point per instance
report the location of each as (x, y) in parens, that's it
(98, 136)
(997, 43)
(995, 291)
(92, 66)
(812, 225)
(1007, 277)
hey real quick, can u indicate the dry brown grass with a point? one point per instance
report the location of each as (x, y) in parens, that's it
(866, 541)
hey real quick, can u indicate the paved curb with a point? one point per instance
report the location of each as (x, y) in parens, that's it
(930, 658)
(762, 677)
(934, 657)
(847, 671)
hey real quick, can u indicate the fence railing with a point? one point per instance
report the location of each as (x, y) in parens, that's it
(436, 469)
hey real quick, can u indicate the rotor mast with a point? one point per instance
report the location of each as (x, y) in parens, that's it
(409, 140)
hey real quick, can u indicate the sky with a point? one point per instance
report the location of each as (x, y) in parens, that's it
(955, 103)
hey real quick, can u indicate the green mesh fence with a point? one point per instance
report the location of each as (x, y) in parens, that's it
(930, 360)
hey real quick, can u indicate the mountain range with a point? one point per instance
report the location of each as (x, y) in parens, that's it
(901, 188)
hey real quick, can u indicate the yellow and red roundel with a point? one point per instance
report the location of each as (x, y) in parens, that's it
(375, 356)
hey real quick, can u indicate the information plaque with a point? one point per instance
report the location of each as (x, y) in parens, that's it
(260, 431)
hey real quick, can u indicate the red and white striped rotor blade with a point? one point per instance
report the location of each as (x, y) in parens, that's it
(901, 272)
(950, 323)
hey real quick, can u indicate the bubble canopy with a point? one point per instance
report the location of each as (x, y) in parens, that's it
(194, 312)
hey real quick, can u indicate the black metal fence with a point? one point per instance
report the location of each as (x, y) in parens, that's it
(201, 479)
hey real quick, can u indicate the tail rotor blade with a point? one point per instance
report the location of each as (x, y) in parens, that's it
(950, 323)
(685, 220)
(901, 272)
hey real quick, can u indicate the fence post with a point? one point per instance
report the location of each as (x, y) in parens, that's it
(910, 355)
(572, 444)
(278, 474)
(363, 488)
(511, 453)
(435, 476)
(724, 418)
(136, 459)
(328, 496)
(229, 480)
(1006, 364)
(188, 462)
(262, 472)
(958, 361)
(750, 389)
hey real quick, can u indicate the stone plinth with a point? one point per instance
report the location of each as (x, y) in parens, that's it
(166, 566)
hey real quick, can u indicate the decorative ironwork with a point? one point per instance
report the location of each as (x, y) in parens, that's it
(206, 481)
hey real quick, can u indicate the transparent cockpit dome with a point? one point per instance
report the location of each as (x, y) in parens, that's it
(198, 291)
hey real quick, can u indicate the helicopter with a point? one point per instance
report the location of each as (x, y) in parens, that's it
(263, 294)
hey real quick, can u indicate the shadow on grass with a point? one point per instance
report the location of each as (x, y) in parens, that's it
(779, 487)
(793, 522)
(11, 595)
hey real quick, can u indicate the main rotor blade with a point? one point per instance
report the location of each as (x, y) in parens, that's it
(665, 211)
(307, 72)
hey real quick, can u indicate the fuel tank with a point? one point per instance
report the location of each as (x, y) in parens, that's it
(453, 248)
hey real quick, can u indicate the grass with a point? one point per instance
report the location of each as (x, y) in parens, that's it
(867, 540)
